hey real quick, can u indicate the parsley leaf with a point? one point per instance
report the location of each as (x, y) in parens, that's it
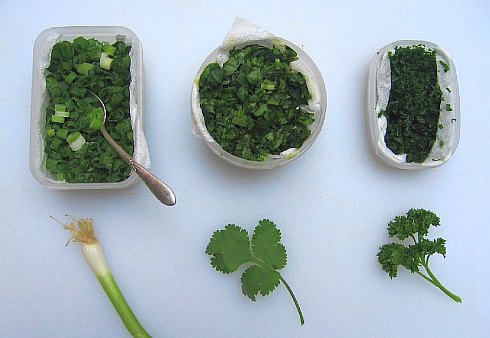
(415, 226)
(231, 248)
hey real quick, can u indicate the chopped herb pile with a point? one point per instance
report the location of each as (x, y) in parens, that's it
(75, 150)
(252, 106)
(414, 104)
(415, 227)
(231, 248)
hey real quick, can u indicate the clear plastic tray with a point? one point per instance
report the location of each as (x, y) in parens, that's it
(447, 137)
(316, 87)
(41, 58)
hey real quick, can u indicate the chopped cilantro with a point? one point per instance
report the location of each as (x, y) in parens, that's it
(414, 104)
(252, 106)
(74, 68)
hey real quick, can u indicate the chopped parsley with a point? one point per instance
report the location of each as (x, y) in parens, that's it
(414, 104)
(444, 65)
(253, 104)
(75, 68)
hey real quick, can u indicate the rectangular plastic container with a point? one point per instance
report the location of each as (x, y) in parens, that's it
(379, 78)
(41, 59)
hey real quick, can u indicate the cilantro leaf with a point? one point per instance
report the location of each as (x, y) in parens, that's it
(231, 248)
(266, 245)
(257, 279)
(415, 226)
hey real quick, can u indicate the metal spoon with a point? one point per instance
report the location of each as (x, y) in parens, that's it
(161, 190)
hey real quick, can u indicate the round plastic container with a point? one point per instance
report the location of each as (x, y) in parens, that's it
(41, 58)
(317, 105)
(378, 88)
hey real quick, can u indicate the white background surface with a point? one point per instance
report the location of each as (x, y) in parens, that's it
(332, 204)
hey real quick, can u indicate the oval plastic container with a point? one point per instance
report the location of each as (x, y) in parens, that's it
(41, 58)
(315, 84)
(447, 137)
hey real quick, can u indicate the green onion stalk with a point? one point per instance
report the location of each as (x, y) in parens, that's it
(82, 231)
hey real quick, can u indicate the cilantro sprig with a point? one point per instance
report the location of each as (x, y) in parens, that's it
(414, 226)
(231, 248)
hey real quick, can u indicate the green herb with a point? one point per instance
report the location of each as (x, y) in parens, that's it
(73, 70)
(414, 104)
(444, 65)
(231, 248)
(414, 226)
(253, 105)
(82, 231)
(448, 107)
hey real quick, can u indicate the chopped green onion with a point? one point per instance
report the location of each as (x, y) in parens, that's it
(51, 132)
(87, 69)
(62, 133)
(59, 107)
(57, 119)
(82, 231)
(76, 141)
(108, 49)
(55, 144)
(70, 77)
(95, 124)
(96, 116)
(105, 61)
(62, 113)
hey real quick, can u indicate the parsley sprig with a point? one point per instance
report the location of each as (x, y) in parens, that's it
(231, 248)
(415, 226)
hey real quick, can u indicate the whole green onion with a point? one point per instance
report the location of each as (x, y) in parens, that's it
(82, 231)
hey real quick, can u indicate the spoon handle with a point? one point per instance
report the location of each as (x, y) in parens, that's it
(161, 190)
